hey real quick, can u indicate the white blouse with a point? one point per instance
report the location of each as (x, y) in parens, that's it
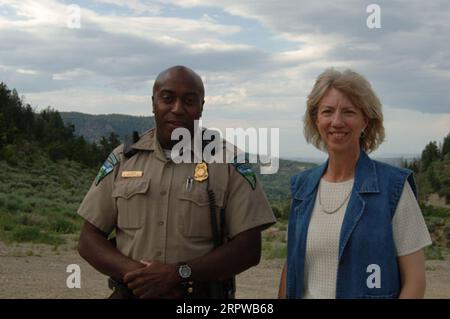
(322, 246)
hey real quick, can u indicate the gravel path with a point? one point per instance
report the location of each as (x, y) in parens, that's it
(39, 271)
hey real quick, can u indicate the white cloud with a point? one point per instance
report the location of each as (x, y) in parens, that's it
(34, 13)
(24, 71)
(109, 63)
(74, 74)
(92, 102)
(235, 96)
(136, 6)
(410, 54)
(409, 131)
(107, 45)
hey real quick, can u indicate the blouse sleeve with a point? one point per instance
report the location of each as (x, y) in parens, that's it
(408, 225)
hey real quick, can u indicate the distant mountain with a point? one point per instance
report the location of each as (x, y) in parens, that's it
(93, 127)
(394, 160)
(315, 160)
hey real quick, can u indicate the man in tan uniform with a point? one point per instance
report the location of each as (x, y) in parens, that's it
(163, 212)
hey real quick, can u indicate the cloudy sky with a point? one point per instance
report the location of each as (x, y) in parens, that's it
(258, 58)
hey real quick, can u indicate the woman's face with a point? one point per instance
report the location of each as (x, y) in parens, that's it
(339, 122)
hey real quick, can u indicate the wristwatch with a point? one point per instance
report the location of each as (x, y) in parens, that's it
(184, 271)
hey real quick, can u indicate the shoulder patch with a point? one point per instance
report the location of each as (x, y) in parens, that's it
(107, 167)
(246, 171)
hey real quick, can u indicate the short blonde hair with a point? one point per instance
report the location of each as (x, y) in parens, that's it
(359, 91)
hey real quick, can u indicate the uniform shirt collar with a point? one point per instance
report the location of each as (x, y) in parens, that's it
(149, 142)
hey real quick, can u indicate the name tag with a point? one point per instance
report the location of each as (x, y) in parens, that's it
(132, 174)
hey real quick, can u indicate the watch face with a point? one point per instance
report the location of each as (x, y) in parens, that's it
(184, 271)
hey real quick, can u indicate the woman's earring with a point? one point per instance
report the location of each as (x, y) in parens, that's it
(363, 134)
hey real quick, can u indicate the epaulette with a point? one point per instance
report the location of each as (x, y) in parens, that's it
(242, 165)
(128, 151)
(107, 167)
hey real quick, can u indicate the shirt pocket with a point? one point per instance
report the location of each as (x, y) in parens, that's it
(132, 202)
(195, 213)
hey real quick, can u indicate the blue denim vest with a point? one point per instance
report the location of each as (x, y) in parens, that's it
(366, 236)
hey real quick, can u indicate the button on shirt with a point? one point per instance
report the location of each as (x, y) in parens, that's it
(156, 217)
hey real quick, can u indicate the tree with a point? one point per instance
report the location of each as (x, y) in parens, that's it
(434, 181)
(413, 165)
(429, 154)
(107, 145)
(446, 146)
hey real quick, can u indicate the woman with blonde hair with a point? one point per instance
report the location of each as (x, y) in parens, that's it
(355, 227)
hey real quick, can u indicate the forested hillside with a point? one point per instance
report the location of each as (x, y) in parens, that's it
(432, 170)
(24, 134)
(46, 170)
(94, 127)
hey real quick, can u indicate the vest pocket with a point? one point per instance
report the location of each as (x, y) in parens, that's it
(131, 201)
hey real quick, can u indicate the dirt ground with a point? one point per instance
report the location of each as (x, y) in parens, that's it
(39, 271)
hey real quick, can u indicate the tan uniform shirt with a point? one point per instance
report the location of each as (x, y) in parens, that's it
(157, 217)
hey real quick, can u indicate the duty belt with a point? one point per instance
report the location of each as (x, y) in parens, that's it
(187, 290)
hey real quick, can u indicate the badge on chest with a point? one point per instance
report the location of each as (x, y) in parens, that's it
(201, 172)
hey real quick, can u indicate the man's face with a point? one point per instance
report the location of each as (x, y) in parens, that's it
(177, 102)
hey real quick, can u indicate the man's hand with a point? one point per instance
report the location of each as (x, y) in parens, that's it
(102, 255)
(153, 281)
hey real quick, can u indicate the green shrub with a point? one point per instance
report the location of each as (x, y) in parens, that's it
(71, 213)
(9, 154)
(33, 220)
(33, 234)
(60, 225)
(433, 223)
(433, 252)
(8, 226)
(25, 233)
(26, 207)
(435, 211)
(38, 182)
(12, 206)
(273, 250)
(282, 222)
(7, 221)
(447, 233)
(276, 211)
(269, 236)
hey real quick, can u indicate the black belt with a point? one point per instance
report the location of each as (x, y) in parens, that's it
(120, 290)
(188, 290)
(209, 289)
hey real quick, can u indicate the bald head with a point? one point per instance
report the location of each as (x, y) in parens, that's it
(178, 98)
(173, 72)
